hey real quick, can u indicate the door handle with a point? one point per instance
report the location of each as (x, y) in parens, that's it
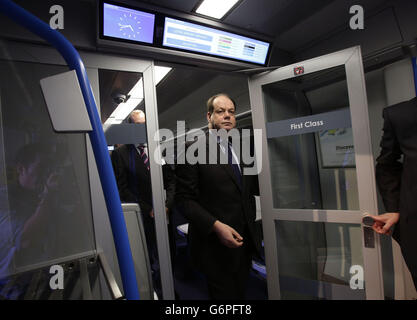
(367, 220)
(369, 237)
(368, 232)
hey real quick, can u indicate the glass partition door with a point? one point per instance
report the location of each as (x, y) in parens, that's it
(45, 206)
(80, 225)
(317, 179)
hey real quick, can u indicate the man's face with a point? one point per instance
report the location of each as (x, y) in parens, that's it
(138, 117)
(30, 176)
(223, 116)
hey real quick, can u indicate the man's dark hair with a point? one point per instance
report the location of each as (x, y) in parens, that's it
(210, 106)
(28, 154)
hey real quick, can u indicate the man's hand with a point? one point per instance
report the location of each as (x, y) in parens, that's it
(50, 188)
(384, 222)
(227, 235)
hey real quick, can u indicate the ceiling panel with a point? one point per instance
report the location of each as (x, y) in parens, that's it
(329, 19)
(259, 16)
(294, 24)
(265, 17)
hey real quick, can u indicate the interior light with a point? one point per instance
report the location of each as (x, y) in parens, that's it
(215, 8)
(160, 73)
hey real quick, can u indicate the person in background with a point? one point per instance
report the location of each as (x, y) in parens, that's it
(131, 167)
(25, 217)
(397, 180)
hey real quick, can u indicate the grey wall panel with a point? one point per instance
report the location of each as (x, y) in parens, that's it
(65, 103)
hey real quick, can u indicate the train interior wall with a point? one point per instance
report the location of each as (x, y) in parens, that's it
(387, 84)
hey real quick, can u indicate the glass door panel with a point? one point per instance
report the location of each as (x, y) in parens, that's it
(45, 206)
(310, 142)
(123, 114)
(317, 179)
(318, 259)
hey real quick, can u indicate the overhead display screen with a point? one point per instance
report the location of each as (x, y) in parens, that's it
(193, 37)
(128, 24)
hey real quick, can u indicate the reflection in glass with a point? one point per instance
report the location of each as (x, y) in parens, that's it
(316, 260)
(310, 142)
(120, 93)
(45, 209)
(124, 108)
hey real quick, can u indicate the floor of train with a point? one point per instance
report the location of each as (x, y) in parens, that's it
(190, 284)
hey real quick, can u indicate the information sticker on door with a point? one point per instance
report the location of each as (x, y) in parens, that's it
(298, 71)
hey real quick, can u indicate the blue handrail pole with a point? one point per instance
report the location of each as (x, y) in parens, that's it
(98, 141)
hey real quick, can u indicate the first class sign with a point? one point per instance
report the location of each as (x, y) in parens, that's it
(306, 124)
(309, 124)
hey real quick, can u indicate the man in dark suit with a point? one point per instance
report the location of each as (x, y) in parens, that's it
(131, 168)
(397, 180)
(218, 201)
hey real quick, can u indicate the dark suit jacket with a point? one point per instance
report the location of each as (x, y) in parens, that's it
(210, 192)
(134, 181)
(397, 181)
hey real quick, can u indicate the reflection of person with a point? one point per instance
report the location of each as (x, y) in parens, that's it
(132, 173)
(131, 168)
(24, 227)
(218, 201)
(397, 181)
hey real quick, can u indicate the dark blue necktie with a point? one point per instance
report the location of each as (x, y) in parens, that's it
(235, 166)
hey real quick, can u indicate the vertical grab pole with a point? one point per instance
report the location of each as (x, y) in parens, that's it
(98, 141)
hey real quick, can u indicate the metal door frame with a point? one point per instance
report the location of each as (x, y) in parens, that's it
(351, 59)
